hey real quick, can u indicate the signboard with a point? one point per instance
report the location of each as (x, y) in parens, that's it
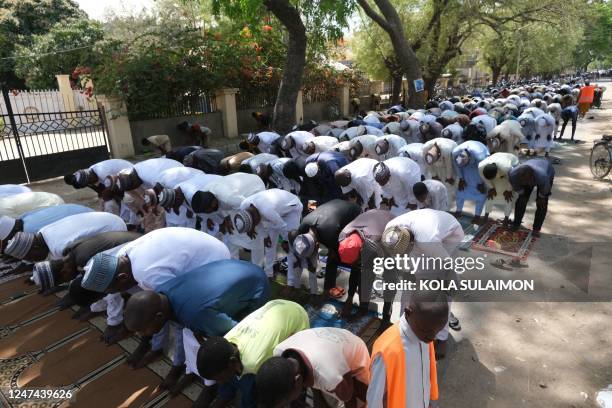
(419, 85)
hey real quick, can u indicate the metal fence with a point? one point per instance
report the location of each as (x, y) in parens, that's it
(36, 145)
(189, 105)
(256, 99)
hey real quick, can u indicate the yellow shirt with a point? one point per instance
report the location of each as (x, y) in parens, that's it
(259, 333)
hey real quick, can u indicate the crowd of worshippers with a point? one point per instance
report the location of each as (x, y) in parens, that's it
(169, 231)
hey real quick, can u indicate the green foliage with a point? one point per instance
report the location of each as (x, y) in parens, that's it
(40, 67)
(21, 21)
(596, 44)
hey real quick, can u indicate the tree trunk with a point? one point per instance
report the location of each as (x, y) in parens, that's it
(284, 109)
(495, 73)
(405, 55)
(430, 85)
(396, 88)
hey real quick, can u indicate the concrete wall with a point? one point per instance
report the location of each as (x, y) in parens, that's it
(167, 126)
(246, 123)
(317, 111)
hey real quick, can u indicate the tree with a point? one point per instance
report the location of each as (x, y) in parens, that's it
(20, 21)
(595, 44)
(389, 20)
(324, 19)
(42, 62)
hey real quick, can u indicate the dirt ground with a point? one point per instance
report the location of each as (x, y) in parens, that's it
(541, 354)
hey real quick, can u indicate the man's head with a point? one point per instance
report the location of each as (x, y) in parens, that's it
(463, 158)
(247, 220)
(219, 360)
(382, 146)
(587, 83)
(305, 245)
(309, 148)
(146, 312)
(27, 246)
(81, 178)
(9, 226)
(245, 168)
(264, 171)
(356, 150)
(397, 240)
(311, 169)
(490, 171)
(420, 191)
(48, 274)
(204, 202)
(108, 274)
(145, 142)
(287, 143)
(349, 248)
(252, 139)
(382, 174)
(151, 200)
(525, 175)
(427, 314)
(279, 382)
(292, 170)
(128, 180)
(171, 199)
(343, 177)
(433, 154)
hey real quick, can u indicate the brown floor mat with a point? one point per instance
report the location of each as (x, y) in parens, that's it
(14, 288)
(122, 387)
(35, 336)
(179, 402)
(25, 308)
(69, 363)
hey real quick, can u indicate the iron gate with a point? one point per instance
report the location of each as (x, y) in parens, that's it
(45, 140)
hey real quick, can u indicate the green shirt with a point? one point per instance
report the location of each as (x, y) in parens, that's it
(259, 333)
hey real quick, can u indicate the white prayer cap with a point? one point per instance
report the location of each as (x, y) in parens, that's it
(6, 226)
(311, 169)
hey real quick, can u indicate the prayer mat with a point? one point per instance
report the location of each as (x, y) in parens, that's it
(469, 229)
(14, 289)
(300, 295)
(40, 334)
(25, 308)
(328, 315)
(493, 237)
(53, 369)
(121, 387)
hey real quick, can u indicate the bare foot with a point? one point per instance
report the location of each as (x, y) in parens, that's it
(138, 354)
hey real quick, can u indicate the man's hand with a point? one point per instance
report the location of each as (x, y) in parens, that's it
(461, 185)
(481, 187)
(210, 225)
(492, 193)
(252, 234)
(450, 181)
(372, 202)
(267, 242)
(228, 225)
(113, 334)
(508, 195)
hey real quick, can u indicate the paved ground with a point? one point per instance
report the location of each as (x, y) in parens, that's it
(545, 354)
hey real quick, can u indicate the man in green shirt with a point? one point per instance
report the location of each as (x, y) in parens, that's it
(233, 360)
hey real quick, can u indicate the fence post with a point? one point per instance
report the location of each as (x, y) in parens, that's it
(299, 108)
(225, 100)
(344, 100)
(118, 126)
(63, 83)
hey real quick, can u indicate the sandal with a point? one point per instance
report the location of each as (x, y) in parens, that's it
(337, 292)
(501, 264)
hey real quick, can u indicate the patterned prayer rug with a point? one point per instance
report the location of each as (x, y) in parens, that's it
(328, 315)
(493, 237)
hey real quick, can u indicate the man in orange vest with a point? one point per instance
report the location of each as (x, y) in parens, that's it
(403, 369)
(585, 98)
